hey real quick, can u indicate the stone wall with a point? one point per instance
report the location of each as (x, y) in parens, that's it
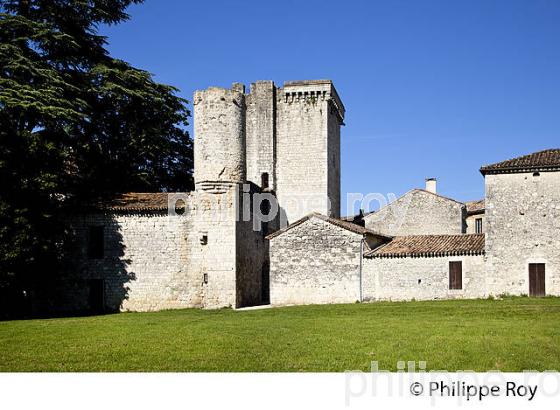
(418, 213)
(522, 227)
(219, 135)
(206, 257)
(421, 278)
(308, 149)
(315, 262)
(143, 267)
(334, 121)
(291, 134)
(252, 264)
(261, 132)
(212, 245)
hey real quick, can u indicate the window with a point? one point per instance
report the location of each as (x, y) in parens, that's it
(96, 242)
(478, 225)
(264, 180)
(203, 238)
(180, 207)
(456, 275)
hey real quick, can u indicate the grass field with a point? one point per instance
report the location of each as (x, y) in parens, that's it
(513, 334)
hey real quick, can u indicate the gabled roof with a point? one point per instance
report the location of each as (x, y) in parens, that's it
(342, 224)
(547, 160)
(138, 202)
(413, 191)
(430, 246)
(438, 195)
(475, 207)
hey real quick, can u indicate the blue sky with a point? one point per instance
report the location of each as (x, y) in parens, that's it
(432, 88)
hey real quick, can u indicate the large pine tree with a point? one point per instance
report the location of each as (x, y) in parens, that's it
(75, 123)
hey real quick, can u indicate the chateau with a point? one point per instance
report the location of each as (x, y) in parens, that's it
(263, 225)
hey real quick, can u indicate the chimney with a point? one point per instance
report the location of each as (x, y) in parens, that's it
(431, 185)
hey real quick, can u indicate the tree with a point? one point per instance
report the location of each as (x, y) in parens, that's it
(75, 123)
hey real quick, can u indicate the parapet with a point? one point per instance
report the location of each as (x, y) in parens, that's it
(314, 89)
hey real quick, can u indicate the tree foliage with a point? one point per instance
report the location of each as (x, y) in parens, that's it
(75, 123)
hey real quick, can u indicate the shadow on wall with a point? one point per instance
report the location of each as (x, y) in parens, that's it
(96, 278)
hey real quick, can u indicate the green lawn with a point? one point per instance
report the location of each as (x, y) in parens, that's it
(513, 334)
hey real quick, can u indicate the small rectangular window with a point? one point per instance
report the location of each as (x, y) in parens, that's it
(96, 242)
(264, 180)
(478, 225)
(456, 275)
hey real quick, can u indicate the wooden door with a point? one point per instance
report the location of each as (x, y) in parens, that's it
(456, 275)
(536, 279)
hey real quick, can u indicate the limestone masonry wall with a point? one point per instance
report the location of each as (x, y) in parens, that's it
(421, 278)
(522, 227)
(333, 159)
(315, 262)
(418, 213)
(261, 132)
(252, 263)
(219, 135)
(211, 250)
(308, 157)
(143, 267)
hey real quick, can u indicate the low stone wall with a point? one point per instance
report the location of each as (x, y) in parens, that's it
(421, 278)
(314, 263)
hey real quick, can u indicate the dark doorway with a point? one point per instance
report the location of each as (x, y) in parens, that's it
(536, 279)
(96, 296)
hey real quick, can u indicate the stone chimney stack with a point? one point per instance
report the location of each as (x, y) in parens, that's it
(431, 185)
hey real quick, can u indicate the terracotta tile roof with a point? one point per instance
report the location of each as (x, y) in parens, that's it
(475, 207)
(547, 160)
(343, 224)
(429, 246)
(137, 202)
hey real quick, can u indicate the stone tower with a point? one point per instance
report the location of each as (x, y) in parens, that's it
(219, 137)
(279, 141)
(293, 145)
(228, 268)
(308, 119)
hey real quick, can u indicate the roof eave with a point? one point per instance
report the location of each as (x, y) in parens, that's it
(517, 170)
(393, 255)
